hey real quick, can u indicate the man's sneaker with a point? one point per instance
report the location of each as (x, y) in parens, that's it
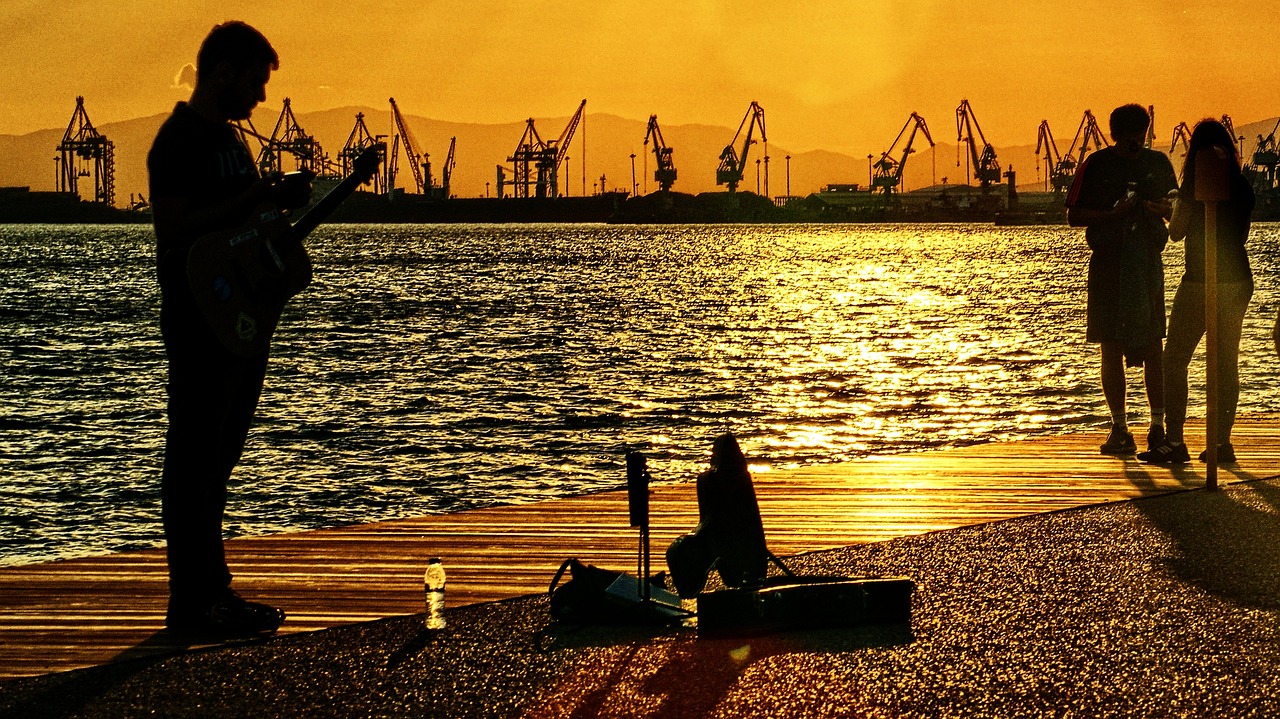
(1166, 453)
(1226, 454)
(1119, 442)
(230, 616)
(1155, 437)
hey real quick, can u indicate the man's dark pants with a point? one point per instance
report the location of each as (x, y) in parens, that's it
(212, 398)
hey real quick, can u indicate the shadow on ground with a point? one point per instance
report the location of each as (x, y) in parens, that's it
(1227, 541)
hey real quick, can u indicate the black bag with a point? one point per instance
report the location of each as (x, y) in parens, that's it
(601, 596)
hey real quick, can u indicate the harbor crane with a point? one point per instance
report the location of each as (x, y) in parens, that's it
(288, 136)
(1231, 130)
(888, 171)
(1087, 132)
(417, 164)
(1060, 172)
(82, 148)
(446, 173)
(733, 163)
(984, 165)
(358, 141)
(1266, 158)
(1180, 133)
(536, 163)
(665, 175)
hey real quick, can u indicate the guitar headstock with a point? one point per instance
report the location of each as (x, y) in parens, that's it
(366, 164)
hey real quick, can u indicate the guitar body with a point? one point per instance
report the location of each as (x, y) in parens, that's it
(243, 277)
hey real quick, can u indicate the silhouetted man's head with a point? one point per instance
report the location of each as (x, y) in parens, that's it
(1129, 125)
(233, 66)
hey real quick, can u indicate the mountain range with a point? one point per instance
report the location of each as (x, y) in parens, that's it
(31, 159)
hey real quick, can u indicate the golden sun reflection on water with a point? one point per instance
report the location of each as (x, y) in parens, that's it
(437, 368)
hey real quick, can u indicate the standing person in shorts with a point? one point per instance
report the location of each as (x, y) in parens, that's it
(1120, 195)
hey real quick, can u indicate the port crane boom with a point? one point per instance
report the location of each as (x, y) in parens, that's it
(410, 149)
(888, 171)
(1059, 176)
(665, 175)
(1266, 157)
(447, 172)
(1063, 170)
(288, 136)
(83, 146)
(1180, 133)
(732, 163)
(358, 141)
(1086, 132)
(1231, 130)
(534, 155)
(985, 167)
(562, 144)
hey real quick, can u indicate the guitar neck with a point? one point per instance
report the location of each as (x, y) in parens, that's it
(327, 204)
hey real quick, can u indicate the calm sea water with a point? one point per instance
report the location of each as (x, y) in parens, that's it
(432, 369)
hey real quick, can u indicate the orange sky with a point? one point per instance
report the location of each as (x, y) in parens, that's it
(834, 74)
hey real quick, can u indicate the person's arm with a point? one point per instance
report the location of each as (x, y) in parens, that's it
(1087, 217)
(175, 216)
(1178, 221)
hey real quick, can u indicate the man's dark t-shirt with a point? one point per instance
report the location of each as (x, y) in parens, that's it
(202, 163)
(1126, 275)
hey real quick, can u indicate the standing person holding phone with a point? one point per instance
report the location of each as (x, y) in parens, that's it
(1120, 196)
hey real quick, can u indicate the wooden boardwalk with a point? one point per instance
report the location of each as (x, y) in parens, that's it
(64, 615)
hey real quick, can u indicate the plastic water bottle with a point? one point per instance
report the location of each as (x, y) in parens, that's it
(433, 585)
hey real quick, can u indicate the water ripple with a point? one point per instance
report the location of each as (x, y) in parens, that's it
(431, 369)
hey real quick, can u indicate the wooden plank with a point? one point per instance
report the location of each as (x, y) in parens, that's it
(63, 615)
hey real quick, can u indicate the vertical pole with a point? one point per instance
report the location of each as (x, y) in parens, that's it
(1211, 188)
(1211, 343)
(638, 512)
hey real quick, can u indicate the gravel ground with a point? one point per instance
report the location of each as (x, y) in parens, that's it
(1160, 607)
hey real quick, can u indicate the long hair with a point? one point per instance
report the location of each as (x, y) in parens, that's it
(1208, 133)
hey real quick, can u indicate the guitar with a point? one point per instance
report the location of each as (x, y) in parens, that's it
(242, 278)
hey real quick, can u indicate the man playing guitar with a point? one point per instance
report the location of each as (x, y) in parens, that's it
(203, 180)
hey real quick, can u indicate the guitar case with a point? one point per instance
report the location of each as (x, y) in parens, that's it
(730, 538)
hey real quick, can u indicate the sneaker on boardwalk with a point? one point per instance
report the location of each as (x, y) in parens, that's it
(1120, 441)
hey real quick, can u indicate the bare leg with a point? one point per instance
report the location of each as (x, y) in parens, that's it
(1113, 389)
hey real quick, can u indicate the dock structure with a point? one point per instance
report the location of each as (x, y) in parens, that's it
(63, 615)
